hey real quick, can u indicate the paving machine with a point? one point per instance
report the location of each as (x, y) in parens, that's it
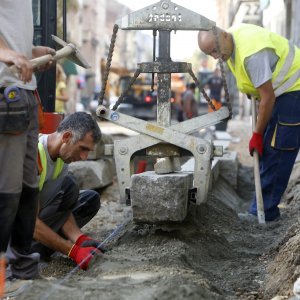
(160, 139)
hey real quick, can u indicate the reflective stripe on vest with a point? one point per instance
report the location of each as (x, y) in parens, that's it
(57, 169)
(251, 39)
(286, 67)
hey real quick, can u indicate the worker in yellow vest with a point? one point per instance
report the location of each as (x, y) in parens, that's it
(63, 209)
(267, 67)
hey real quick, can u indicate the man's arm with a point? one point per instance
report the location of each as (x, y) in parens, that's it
(267, 100)
(46, 236)
(11, 57)
(79, 253)
(260, 67)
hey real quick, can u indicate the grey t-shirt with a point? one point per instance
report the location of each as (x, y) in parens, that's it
(16, 30)
(260, 66)
(51, 187)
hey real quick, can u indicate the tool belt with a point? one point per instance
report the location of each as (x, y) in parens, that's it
(14, 112)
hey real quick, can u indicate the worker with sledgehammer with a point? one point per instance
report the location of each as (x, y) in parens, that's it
(63, 208)
(267, 67)
(18, 132)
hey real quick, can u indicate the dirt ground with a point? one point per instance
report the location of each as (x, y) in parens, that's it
(211, 255)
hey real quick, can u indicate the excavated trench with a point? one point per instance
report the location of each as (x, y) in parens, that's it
(211, 255)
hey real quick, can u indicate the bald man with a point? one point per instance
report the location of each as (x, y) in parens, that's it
(267, 67)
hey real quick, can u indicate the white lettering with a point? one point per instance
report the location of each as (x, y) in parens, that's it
(164, 18)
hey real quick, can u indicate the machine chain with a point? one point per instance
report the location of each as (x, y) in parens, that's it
(209, 102)
(227, 97)
(132, 80)
(137, 73)
(108, 63)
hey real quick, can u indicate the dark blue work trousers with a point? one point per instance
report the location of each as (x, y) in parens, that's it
(281, 146)
(83, 204)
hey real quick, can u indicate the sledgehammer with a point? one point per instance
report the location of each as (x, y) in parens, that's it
(66, 50)
(259, 198)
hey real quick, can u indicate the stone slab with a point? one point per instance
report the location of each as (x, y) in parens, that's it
(229, 167)
(223, 135)
(99, 148)
(93, 174)
(225, 166)
(160, 198)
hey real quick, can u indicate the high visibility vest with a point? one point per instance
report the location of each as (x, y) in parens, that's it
(250, 39)
(42, 166)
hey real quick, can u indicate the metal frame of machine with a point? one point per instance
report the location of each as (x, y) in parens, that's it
(161, 139)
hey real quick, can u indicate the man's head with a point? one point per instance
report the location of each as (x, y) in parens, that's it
(192, 86)
(208, 44)
(77, 135)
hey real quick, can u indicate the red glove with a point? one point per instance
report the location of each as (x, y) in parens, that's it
(85, 241)
(82, 256)
(256, 143)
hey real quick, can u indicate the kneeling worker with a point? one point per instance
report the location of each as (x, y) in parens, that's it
(63, 209)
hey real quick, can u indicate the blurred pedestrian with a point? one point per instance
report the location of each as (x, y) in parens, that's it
(189, 104)
(215, 85)
(61, 93)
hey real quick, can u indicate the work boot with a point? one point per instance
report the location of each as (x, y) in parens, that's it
(14, 286)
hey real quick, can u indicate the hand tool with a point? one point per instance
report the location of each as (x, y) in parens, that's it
(258, 193)
(66, 50)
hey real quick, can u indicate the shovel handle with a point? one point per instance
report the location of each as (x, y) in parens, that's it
(258, 193)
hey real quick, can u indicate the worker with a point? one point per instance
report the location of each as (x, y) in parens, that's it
(267, 67)
(18, 131)
(189, 104)
(63, 209)
(215, 85)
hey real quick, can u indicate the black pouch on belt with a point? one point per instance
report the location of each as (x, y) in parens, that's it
(14, 114)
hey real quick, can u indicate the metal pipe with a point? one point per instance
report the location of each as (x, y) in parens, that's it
(64, 20)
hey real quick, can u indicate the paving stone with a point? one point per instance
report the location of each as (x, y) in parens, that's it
(93, 174)
(160, 198)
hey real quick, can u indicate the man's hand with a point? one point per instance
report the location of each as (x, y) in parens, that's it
(86, 241)
(22, 64)
(82, 255)
(41, 51)
(256, 143)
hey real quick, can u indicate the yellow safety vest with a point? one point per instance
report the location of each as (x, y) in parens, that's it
(250, 39)
(42, 164)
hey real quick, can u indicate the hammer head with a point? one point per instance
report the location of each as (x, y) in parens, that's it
(76, 57)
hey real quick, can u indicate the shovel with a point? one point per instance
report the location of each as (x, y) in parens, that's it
(259, 198)
(66, 50)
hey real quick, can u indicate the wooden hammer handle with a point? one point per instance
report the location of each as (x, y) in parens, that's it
(42, 60)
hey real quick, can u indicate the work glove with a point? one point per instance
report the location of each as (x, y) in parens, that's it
(256, 143)
(82, 255)
(86, 241)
